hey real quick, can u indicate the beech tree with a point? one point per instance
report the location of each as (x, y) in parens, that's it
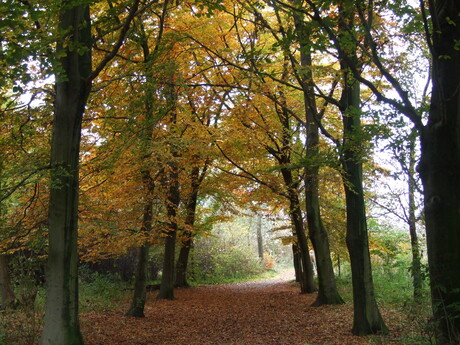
(74, 74)
(438, 23)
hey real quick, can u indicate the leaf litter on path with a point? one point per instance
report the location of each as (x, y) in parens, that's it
(267, 312)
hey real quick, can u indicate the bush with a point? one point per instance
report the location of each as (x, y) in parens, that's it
(218, 264)
(100, 291)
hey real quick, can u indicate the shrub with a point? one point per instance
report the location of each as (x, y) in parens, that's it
(268, 261)
(217, 264)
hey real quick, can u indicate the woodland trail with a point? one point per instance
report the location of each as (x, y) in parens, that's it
(268, 312)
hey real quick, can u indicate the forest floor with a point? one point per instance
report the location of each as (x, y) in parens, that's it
(268, 312)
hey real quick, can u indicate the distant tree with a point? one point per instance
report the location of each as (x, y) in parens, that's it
(6, 290)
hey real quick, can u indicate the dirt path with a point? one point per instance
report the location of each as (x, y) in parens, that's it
(269, 312)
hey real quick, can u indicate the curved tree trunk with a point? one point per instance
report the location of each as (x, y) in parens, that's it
(61, 324)
(282, 155)
(182, 261)
(327, 289)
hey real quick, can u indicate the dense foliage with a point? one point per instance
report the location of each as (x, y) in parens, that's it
(182, 142)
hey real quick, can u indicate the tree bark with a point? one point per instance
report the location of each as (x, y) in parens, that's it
(61, 324)
(167, 278)
(138, 302)
(327, 292)
(307, 282)
(440, 171)
(327, 288)
(282, 155)
(6, 290)
(145, 136)
(367, 318)
(182, 262)
(172, 205)
(296, 262)
(140, 283)
(416, 267)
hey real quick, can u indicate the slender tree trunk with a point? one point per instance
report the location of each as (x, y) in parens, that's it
(182, 261)
(260, 242)
(327, 292)
(416, 267)
(367, 318)
(440, 171)
(187, 241)
(140, 283)
(136, 308)
(172, 205)
(6, 290)
(307, 282)
(61, 324)
(138, 302)
(297, 262)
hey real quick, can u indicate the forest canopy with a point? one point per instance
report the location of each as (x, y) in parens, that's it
(136, 129)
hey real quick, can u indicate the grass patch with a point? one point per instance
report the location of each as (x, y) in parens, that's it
(102, 291)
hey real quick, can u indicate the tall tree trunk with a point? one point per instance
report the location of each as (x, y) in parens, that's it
(440, 171)
(6, 290)
(307, 282)
(172, 205)
(416, 267)
(136, 308)
(367, 318)
(327, 288)
(61, 324)
(327, 293)
(140, 283)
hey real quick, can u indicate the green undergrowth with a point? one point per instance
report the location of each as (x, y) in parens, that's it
(235, 279)
(406, 318)
(101, 292)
